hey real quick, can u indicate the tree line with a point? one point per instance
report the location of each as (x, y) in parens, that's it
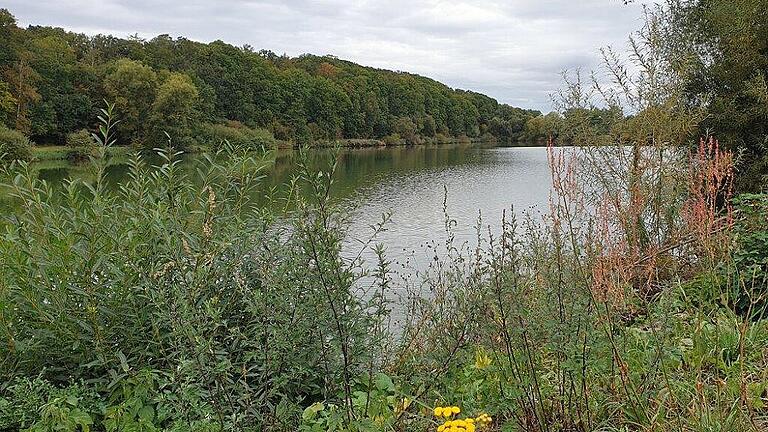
(53, 81)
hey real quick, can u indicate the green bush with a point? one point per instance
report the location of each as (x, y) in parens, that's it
(81, 144)
(179, 301)
(14, 145)
(135, 403)
(741, 282)
(240, 136)
(244, 318)
(392, 140)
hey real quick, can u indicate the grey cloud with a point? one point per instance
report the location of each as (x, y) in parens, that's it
(513, 50)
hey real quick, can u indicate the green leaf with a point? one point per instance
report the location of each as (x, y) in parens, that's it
(311, 411)
(384, 382)
(123, 361)
(146, 414)
(81, 418)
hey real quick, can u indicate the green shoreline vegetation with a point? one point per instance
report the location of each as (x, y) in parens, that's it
(175, 302)
(48, 153)
(41, 153)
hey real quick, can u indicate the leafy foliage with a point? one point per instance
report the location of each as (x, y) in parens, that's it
(750, 260)
(14, 145)
(236, 134)
(177, 300)
(81, 144)
(720, 51)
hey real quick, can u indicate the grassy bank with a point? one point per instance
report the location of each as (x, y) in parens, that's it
(391, 142)
(41, 153)
(54, 152)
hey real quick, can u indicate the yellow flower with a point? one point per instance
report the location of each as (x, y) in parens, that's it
(482, 360)
(438, 411)
(455, 410)
(483, 418)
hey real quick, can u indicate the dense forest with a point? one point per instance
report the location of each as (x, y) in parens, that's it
(52, 83)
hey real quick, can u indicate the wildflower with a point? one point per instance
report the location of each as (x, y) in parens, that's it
(482, 360)
(446, 411)
(162, 271)
(483, 419)
(186, 247)
(207, 229)
(459, 425)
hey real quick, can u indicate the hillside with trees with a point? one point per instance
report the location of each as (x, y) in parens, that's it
(52, 82)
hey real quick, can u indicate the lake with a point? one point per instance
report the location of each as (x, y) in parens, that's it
(410, 182)
(415, 183)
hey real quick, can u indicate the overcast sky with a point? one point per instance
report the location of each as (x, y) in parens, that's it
(513, 50)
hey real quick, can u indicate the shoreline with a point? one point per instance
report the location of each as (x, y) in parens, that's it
(45, 153)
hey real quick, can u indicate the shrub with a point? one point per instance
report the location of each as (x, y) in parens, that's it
(237, 134)
(81, 144)
(177, 295)
(38, 405)
(14, 145)
(441, 138)
(392, 140)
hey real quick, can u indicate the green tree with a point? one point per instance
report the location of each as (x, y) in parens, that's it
(541, 128)
(21, 79)
(406, 129)
(7, 104)
(429, 127)
(174, 110)
(719, 48)
(61, 107)
(132, 87)
(7, 28)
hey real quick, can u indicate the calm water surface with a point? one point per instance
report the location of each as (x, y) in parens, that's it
(411, 183)
(470, 181)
